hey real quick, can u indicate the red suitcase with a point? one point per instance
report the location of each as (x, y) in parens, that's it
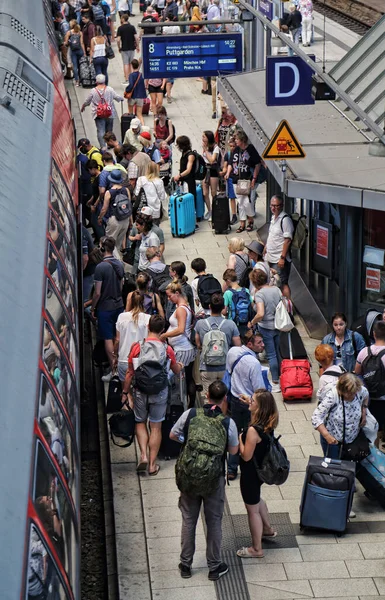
(145, 107)
(295, 380)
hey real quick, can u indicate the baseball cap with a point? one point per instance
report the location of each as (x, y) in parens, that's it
(147, 210)
(135, 124)
(83, 142)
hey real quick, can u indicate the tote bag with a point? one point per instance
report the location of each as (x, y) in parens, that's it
(282, 320)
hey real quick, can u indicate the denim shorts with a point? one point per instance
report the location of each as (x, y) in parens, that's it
(107, 323)
(152, 407)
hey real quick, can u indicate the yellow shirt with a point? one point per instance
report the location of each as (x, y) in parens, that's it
(96, 155)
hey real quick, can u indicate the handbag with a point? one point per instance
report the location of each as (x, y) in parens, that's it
(110, 54)
(282, 320)
(122, 424)
(243, 187)
(370, 428)
(129, 254)
(114, 396)
(128, 95)
(356, 450)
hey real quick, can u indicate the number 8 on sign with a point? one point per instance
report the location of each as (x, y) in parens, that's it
(151, 48)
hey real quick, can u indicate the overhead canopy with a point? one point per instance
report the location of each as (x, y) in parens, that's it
(337, 167)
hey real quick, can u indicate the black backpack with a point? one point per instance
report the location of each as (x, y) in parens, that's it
(159, 283)
(245, 279)
(373, 374)
(207, 286)
(200, 166)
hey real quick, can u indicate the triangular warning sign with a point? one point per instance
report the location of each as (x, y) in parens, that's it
(283, 144)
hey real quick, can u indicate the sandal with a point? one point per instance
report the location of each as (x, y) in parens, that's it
(250, 227)
(245, 553)
(268, 537)
(153, 473)
(240, 229)
(142, 466)
(231, 476)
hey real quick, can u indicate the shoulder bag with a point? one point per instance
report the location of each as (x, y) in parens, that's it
(243, 186)
(128, 95)
(282, 320)
(359, 448)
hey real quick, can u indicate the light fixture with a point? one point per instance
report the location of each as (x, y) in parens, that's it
(377, 148)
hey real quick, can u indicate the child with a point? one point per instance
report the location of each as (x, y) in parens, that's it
(165, 152)
(238, 301)
(230, 186)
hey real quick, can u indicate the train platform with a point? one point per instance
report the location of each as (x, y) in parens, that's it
(146, 514)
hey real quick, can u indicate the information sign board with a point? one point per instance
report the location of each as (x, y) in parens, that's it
(203, 55)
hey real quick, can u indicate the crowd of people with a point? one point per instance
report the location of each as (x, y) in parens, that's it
(155, 324)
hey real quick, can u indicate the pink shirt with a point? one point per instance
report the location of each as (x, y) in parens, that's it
(306, 9)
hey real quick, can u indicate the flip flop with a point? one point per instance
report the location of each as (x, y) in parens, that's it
(273, 535)
(250, 227)
(154, 473)
(142, 466)
(240, 229)
(244, 553)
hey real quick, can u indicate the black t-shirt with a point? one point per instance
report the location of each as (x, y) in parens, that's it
(149, 30)
(127, 33)
(183, 166)
(111, 292)
(87, 246)
(244, 162)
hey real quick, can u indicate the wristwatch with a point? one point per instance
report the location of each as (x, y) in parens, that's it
(283, 257)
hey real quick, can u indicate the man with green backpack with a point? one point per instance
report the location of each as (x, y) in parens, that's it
(207, 434)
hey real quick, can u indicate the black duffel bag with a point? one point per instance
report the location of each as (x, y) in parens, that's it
(122, 424)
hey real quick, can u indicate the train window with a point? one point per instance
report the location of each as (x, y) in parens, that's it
(33, 78)
(61, 281)
(58, 206)
(53, 426)
(62, 246)
(61, 325)
(62, 188)
(55, 512)
(42, 572)
(59, 373)
(53, 305)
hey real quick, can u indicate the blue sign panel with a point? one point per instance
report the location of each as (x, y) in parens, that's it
(266, 8)
(191, 55)
(288, 81)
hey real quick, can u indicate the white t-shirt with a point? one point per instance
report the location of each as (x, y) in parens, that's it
(130, 332)
(149, 240)
(154, 191)
(277, 236)
(215, 151)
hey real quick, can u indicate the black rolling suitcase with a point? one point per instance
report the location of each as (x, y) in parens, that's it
(297, 346)
(327, 494)
(221, 212)
(176, 405)
(125, 122)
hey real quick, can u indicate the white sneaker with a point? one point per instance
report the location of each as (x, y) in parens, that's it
(352, 514)
(207, 216)
(275, 388)
(107, 378)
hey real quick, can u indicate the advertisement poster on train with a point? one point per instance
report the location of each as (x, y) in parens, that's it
(55, 513)
(43, 580)
(373, 279)
(322, 243)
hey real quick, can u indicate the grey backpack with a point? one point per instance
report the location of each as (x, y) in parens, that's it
(215, 346)
(151, 374)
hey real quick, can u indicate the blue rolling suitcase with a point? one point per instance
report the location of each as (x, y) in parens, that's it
(181, 212)
(200, 203)
(371, 474)
(327, 494)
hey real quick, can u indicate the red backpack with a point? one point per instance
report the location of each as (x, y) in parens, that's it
(103, 110)
(295, 380)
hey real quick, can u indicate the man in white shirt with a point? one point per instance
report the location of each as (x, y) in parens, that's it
(277, 249)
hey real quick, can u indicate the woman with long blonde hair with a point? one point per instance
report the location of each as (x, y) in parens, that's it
(153, 187)
(253, 445)
(131, 327)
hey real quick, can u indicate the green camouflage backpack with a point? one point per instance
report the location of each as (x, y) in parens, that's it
(200, 464)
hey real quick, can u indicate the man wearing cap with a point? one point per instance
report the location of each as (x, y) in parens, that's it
(87, 149)
(114, 228)
(150, 149)
(132, 134)
(104, 95)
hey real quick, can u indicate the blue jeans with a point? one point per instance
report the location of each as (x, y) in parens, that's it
(101, 65)
(331, 450)
(76, 55)
(241, 417)
(102, 126)
(271, 341)
(295, 33)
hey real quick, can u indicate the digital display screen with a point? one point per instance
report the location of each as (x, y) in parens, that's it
(191, 55)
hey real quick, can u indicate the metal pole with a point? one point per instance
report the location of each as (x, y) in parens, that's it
(247, 45)
(260, 47)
